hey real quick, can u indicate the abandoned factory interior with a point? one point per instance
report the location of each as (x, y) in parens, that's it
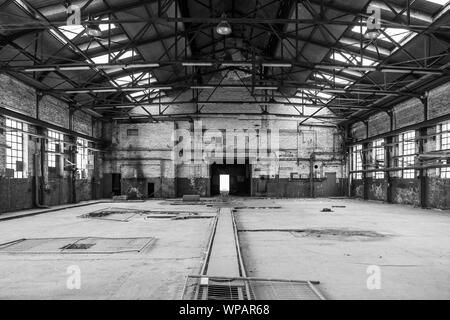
(225, 150)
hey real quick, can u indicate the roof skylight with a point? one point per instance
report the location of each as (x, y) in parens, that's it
(332, 78)
(352, 59)
(439, 2)
(309, 95)
(70, 32)
(135, 79)
(104, 57)
(105, 26)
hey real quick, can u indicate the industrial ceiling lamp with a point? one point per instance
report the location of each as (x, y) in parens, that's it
(93, 30)
(373, 23)
(372, 34)
(223, 28)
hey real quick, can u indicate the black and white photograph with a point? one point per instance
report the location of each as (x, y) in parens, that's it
(242, 152)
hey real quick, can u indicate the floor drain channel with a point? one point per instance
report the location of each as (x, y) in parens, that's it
(200, 287)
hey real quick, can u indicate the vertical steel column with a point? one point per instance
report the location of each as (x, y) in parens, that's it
(72, 157)
(364, 159)
(422, 132)
(388, 154)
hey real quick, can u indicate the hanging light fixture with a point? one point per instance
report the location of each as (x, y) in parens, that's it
(93, 30)
(372, 34)
(223, 28)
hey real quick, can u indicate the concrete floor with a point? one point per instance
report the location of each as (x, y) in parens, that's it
(157, 273)
(412, 251)
(414, 255)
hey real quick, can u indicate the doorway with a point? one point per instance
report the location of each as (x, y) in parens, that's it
(150, 190)
(239, 178)
(116, 182)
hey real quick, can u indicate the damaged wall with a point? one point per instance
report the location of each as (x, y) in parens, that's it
(142, 154)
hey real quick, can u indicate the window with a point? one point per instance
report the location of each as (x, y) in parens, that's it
(407, 149)
(378, 151)
(14, 148)
(443, 144)
(54, 146)
(82, 157)
(357, 161)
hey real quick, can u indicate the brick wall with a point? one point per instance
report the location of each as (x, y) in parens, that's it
(16, 194)
(149, 157)
(407, 191)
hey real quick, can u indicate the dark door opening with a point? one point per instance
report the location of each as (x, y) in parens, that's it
(240, 178)
(116, 189)
(150, 190)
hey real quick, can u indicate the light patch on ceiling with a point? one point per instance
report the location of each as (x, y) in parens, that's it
(70, 32)
(104, 58)
(105, 26)
(439, 2)
(136, 79)
(352, 59)
(399, 35)
(332, 78)
(309, 97)
(356, 43)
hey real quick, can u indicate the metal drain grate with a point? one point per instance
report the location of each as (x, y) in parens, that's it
(199, 287)
(77, 245)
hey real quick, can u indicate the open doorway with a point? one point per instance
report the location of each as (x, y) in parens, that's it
(150, 190)
(116, 181)
(239, 178)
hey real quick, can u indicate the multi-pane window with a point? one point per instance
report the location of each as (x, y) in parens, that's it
(357, 161)
(82, 157)
(407, 150)
(378, 151)
(14, 148)
(443, 144)
(54, 146)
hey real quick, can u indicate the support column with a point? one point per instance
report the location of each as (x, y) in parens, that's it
(72, 158)
(364, 159)
(422, 172)
(422, 132)
(388, 154)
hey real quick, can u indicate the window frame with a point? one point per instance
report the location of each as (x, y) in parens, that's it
(407, 153)
(443, 144)
(15, 146)
(379, 157)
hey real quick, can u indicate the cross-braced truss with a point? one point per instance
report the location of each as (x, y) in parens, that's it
(297, 58)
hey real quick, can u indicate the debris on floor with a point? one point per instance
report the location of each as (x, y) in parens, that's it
(339, 234)
(329, 233)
